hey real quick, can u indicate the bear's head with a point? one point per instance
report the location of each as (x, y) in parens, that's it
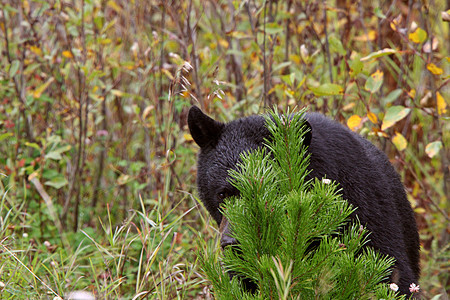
(220, 148)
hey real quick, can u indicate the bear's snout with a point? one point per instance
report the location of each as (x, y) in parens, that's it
(226, 239)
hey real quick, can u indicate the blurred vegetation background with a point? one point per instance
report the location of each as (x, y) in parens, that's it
(97, 167)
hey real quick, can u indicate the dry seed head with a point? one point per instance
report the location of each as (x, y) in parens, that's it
(187, 66)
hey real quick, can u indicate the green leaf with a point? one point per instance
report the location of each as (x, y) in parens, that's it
(64, 149)
(281, 66)
(288, 79)
(379, 13)
(14, 67)
(33, 145)
(49, 174)
(273, 28)
(374, 82)
(55, 155)
(327, 89)
(392, 96)
(336, 45)
(5, 136)
(393, 115)
(384, 52)
(356, 66)
(57, 182)
(433, 148)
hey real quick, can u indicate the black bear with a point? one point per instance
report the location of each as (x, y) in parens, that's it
(367, 179)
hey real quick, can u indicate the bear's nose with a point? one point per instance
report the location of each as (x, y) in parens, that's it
(226, 239)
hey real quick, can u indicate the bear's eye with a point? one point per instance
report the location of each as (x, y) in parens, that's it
(222, 195)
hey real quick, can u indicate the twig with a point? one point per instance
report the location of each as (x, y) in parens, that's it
(19, 86)
(236, 61)
(194, 55)
(445, 166)
(161, 55)
(401, 82)
(264, 57)
(327, 46)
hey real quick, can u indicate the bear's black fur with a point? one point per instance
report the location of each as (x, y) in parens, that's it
(367, 179)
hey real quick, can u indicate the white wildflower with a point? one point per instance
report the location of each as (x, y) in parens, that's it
(326, 181)
(393, 287)
(413, 288)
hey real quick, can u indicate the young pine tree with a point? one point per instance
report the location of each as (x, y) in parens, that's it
(295, 238)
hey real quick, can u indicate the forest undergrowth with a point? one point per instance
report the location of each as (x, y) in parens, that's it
(97, 166)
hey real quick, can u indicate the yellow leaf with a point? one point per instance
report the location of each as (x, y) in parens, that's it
(434, 69)
(168, 74)
(372, 117)
(399, 141)
(237, 34)
(272, 89)
(418, 36)
(349, 107)
(412, 93)
(394, 24)
(419, 210)
(223, 43)
(36, 50)
(416, 190)
(114, 6)
(441, 105)
(188, 137)
(105, 41)
(300, 28)
(295, 58)
(38, 92)
(117, 93)
(185, 94)
(370, 36)
(354, 122)
(67, 54)
(26, 6)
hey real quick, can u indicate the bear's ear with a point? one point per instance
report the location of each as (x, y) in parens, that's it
(204, 130)
(308, 134)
